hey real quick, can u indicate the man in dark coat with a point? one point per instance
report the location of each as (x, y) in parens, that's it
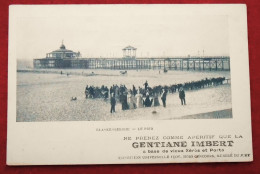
(145, 85)
(113, 103)
(134, 90)
(124, 101)
(182, 96)
(163, 97)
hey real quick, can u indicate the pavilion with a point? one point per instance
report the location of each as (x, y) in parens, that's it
(129, 52)
(62, 53)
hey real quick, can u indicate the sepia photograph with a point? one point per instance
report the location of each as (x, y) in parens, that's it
(128, 84)
(126, 63)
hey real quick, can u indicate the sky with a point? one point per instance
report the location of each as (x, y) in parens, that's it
(103, 31)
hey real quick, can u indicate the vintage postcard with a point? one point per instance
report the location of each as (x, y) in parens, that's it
(125, 84)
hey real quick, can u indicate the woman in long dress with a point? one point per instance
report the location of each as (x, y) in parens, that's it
(132, 101)
(139, 100)
(124, 101)
(156, 100)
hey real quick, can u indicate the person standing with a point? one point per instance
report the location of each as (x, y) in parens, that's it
(156, 100)
(139, 100)
(124, 101)
(134, 90)
(113, 103)
(131, 101)
(148, 102)
(145, 85)
(163, 97)
(182, 96)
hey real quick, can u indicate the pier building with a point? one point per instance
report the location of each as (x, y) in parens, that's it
(63, 58)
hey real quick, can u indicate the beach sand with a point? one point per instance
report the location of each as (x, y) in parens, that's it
(46, 96)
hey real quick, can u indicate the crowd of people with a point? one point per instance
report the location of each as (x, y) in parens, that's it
(146, 96)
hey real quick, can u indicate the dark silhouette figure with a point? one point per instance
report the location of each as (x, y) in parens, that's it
(145, 85)
(156, 100)
(113, 103)
(182, 96)
(163, 97)
(134, 90)
(124, 102)
(147, 101)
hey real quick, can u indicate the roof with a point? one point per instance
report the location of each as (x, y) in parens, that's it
(129, 48)
(62, 49)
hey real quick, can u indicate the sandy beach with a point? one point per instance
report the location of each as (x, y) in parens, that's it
(46, 96)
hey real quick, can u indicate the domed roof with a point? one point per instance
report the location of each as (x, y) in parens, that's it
(62, 46)
(62, 49)
(129, 48)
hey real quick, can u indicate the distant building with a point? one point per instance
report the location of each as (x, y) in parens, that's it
(63, 58)
(129, 52)
(62, 53)
(60, 58)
